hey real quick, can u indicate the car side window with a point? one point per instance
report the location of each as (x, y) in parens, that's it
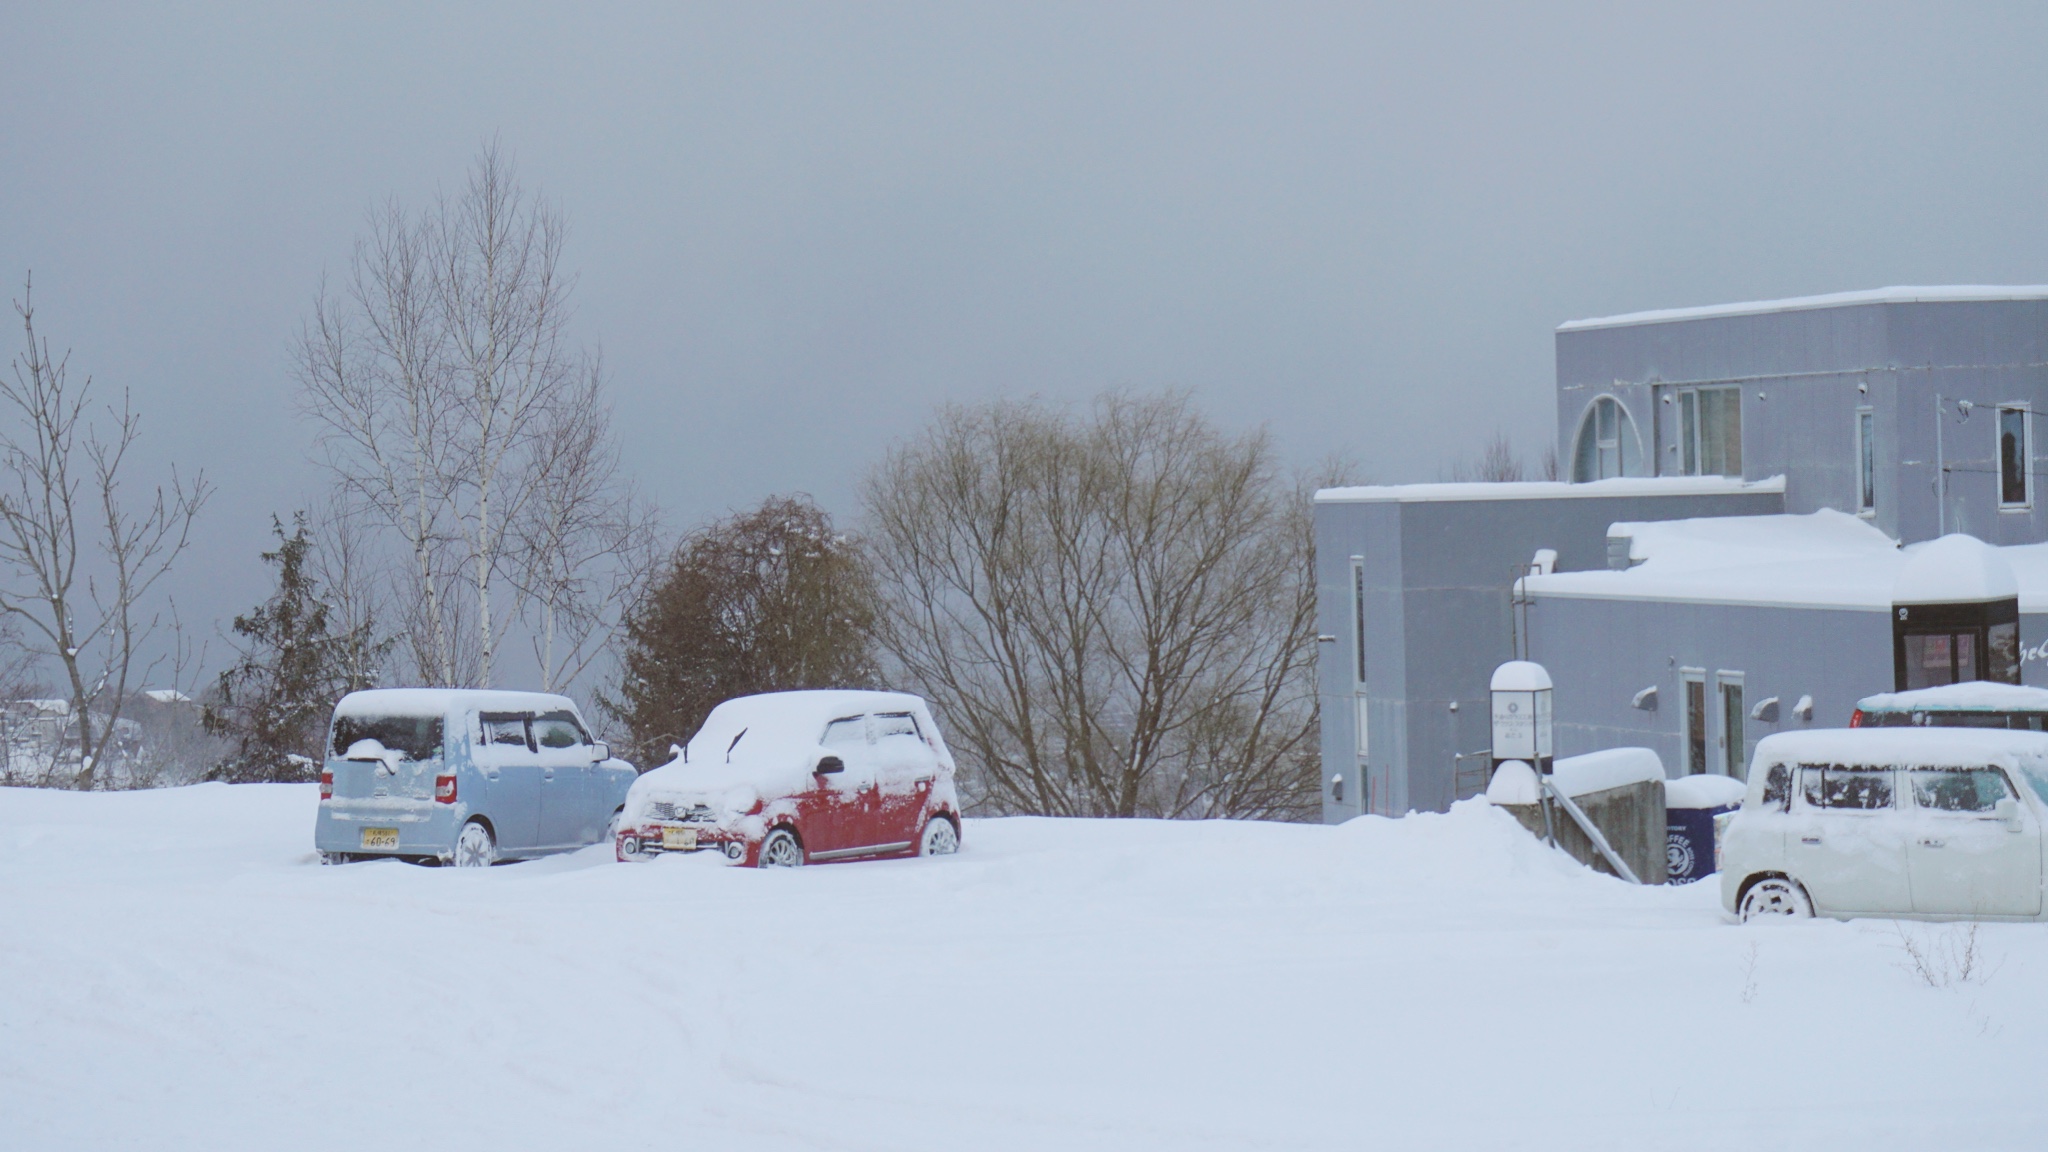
(846, 732)
(1960, 789)
(1778, 787)
(505, 728)
(556, 730)
(1837, 786)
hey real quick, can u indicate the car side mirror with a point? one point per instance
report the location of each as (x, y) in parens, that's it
(2007, 811)
(827, 765)
(600, 752)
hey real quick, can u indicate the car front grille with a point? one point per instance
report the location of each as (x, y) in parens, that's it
(664, 810)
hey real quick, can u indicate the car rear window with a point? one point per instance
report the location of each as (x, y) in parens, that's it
(416, 737)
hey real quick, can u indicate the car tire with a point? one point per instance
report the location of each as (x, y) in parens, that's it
(1775, 898)
(611, 827)
(781, 850)
(475, 847)
(939, 838)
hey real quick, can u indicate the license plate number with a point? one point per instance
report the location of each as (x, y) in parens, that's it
(380, 837)
(679, 839)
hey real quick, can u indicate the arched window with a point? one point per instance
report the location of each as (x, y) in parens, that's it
(1607, 444)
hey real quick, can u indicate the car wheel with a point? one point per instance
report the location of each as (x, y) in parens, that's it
(940, 838)
(475, 847)
(611, 827)
(781, 850)
(1775, 898)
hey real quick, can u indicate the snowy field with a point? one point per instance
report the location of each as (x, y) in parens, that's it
(176, 972)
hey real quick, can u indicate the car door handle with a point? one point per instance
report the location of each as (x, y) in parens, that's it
(1930, 842)
(1809, 839)
(547, 773)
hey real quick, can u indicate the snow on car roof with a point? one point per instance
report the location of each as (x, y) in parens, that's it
(440, 701)
(1942, 747)
(778, 723)
(1824, 559)
(1969, 696)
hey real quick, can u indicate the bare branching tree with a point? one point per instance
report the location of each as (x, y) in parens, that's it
(1498, 462)
(456, 417)
(583, 542)
(80, 560)
(1113, 615)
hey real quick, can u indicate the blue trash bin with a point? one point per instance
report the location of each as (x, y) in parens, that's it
(1690, 805)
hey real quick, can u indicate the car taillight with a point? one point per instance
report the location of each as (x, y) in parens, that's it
(327, 785)
(444, 789)
(1856, 719)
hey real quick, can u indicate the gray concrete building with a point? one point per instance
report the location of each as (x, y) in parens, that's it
(1904, 414)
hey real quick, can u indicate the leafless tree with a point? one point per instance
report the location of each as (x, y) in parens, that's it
(374, 376)
(1114, 615)
(450, 404)
(1497, 463)
(345, 563)
(504, 302)
(585, 540)
(80, 559)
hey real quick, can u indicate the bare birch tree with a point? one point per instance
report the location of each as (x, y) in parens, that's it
(1114, 615)
(453, 408)
(80, 559)
(504, 303)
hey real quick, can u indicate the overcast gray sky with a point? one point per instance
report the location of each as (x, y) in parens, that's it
(800, 227)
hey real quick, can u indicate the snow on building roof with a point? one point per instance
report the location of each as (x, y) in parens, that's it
(1969, 696)
(1824, 559)
(1548, 489)
(1821, 559)
(167, 695)
(1955, 569)
(1896, 295)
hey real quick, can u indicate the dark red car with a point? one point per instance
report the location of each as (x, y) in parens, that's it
(789, 778)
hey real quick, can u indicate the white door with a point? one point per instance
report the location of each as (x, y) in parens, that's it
(1964, 859)
(1847, 840)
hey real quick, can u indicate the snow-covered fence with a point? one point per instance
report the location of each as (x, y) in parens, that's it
(1620, 790)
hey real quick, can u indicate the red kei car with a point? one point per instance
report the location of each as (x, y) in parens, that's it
(789, 778)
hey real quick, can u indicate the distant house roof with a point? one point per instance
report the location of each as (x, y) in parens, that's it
(167, 695)
(1550, 489)
(1899, 295)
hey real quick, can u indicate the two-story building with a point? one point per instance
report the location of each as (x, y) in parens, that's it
(1736, 547)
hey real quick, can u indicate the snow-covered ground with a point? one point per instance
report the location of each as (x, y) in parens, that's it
(176, 972)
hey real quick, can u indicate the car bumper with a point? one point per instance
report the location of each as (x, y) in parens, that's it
(345, 828)
(646, 841)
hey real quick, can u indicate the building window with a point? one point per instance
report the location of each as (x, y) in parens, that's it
(1607, 444)
(1710, 431)
(1694, 717)
(2015, 449)
(1358, 620)
(1734, 736)
(1866, 461)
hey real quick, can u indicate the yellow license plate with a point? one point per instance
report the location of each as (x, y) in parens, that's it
(679, 839)
(380, 837)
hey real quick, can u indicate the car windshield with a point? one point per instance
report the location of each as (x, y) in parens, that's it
(414, 737)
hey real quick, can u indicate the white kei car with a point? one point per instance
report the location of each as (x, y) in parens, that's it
(1908, 823)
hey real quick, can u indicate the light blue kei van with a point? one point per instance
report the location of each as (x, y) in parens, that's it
(463, 776)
